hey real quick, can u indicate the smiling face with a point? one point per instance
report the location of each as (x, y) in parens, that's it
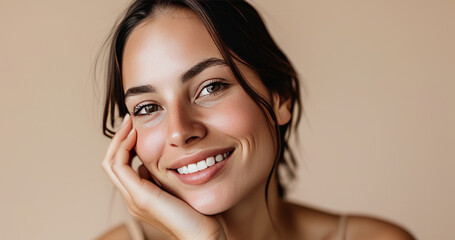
(199, 133)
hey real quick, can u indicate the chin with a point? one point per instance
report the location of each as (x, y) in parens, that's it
(210, 204)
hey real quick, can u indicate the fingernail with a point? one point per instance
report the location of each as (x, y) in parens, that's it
(127, 116)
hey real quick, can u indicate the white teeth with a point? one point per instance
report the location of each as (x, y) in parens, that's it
(192, 168)
(219, 158)
(210, 161)
(203, 164)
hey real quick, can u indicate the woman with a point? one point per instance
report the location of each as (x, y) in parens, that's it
(207, 100)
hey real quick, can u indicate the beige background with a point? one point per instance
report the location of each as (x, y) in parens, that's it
(378, 135)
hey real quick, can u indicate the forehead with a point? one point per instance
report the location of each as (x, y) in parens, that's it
(164, 46)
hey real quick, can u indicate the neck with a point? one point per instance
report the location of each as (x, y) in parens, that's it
(253, 217)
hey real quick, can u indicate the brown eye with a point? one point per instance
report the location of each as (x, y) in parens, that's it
(213, 88)
(146, 109)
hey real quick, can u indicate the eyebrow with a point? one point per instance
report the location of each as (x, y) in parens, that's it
(200, 67)
(139, 90)
(189, 74)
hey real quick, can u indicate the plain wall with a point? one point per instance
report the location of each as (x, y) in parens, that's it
(377, 135)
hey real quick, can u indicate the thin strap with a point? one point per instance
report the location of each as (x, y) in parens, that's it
(135, 229)
(341, 232)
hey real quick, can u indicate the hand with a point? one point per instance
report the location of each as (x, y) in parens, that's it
(147, 201)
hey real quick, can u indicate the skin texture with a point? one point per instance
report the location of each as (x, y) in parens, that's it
(187, 117)
(191, 120)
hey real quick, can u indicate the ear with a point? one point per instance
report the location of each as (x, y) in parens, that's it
(282, 108)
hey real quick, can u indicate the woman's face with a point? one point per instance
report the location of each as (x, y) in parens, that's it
(192, 116)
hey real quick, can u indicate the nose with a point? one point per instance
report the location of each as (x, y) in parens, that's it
(185, 126)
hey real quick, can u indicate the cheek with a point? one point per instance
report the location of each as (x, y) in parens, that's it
(240, 117)
(149, 145)
(244, 120)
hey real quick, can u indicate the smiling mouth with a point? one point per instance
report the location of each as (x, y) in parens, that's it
(203, 164)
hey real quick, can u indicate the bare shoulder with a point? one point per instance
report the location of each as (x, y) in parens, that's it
(314, 223)
(363, 227)
(311, 222)
(122, 232)
(119, 232)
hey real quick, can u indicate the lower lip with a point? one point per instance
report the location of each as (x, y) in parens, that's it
(203, 176)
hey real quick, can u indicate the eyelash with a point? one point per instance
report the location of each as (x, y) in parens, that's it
(155, 107)
(143, 106)
(214, 83)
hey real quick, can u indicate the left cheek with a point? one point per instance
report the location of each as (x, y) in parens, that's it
(149, 146)
(244, 121)
(240, 119)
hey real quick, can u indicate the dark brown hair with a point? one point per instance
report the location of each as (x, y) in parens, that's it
(239, 33)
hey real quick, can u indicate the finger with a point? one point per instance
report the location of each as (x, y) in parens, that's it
(144, 198)
(113, 146)
(119, 186)
(122, 156)
(118, 138)
(140, 190)
(128, 178)
(149, 202)
(143, 192)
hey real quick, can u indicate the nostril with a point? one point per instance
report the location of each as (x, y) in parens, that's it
(191, 139)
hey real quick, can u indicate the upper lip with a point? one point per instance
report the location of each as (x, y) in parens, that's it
(198, 156)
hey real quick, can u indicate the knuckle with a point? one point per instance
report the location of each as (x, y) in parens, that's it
(104, 165)
(115, 168)
(123, 145)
